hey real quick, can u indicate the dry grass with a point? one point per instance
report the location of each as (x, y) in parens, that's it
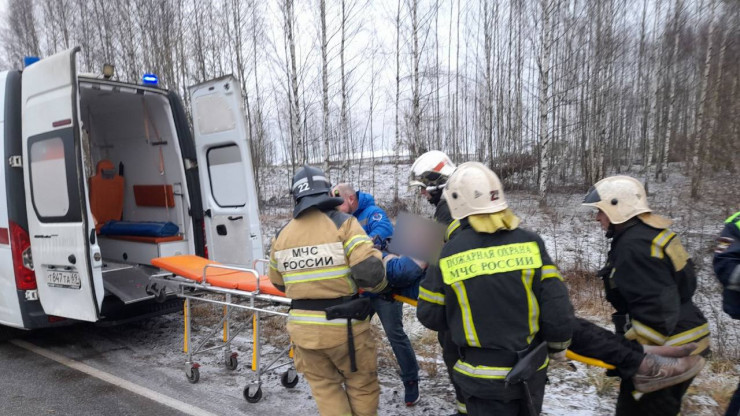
(712, 382)
(722, 365)
(586, 293)
(429, 353)
(273, 330)
(604, 384)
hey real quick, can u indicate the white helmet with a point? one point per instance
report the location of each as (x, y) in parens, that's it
(474, 189)
(619, 197)
(431, 170)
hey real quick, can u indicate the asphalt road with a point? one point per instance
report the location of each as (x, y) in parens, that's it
(32, 384)
(131, 369)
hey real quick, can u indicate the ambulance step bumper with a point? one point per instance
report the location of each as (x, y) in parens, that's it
(126, 282)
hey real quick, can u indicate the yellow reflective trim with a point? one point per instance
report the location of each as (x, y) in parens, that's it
(482, 371)
(315, 275)
(349, 253)
(547, 361)
(732, 218)
(549, 271)
(354, 241)
(468, 326)
(660, 240)
(649, 333)
(318, 318)
(431, 297)
(688, 336)
(533, 308)
(454, 225)
(344, 268)
(462, 408)
(490, 260)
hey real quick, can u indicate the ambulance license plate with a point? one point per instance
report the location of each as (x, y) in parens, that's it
(69, 280)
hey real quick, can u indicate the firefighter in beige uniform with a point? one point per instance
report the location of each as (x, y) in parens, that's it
(320, 259)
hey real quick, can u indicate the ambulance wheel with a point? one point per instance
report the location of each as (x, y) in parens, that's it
(253, 398)
(289, 379)
(232, 362)
(194, 375)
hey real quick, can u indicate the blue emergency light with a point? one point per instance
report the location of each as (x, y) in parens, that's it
(150, 79)
(28, 60)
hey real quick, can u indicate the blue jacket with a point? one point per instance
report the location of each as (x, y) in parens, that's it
(403, 276)
(373, 219)
(727, 265)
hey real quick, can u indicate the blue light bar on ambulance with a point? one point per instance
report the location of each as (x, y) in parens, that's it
(150, 79)
(28, 60)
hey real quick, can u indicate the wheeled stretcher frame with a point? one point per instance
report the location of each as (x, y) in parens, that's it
(231, 299)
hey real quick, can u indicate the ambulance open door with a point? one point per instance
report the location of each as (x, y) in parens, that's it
(233, 234)
(66, 257)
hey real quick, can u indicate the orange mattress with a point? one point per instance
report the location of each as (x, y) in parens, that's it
(191, 267)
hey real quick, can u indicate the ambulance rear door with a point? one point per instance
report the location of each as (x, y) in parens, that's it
(230, 204)
(63, 239)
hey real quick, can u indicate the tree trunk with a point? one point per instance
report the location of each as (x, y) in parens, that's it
(325, 87)
(698, 143)
(543, 65)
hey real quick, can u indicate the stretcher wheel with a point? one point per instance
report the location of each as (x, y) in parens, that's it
(194, 375)
(289, 379)
(232, 362)
(253, 398)
(161, 296)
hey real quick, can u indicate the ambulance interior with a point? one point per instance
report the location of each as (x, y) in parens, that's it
(137, 192)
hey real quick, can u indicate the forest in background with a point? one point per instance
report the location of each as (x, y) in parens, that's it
(549, 93)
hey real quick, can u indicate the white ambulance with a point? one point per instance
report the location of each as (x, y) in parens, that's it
(100, 177)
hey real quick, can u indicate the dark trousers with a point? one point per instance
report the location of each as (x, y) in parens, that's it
(485, 397)
(593, 341)
(665, 402)
(450, 355)
(734, 408)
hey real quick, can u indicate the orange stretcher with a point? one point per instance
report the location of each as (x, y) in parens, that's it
(196, 279)
(193, 267)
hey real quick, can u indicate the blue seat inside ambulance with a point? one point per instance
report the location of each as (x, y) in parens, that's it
(140, 228)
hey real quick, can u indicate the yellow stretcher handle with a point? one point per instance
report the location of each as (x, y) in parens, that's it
(404, 299)
(588, 360)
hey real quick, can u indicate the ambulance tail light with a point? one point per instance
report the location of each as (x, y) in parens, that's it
(20, 246)
(205, 242)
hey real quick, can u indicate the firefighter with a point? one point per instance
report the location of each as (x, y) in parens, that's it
(649, 280)
(498, 293)
(378, 227)
(320, 259)
(429, 173)
(727, 268)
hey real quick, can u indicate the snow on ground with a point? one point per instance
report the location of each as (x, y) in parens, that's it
(576, 243)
